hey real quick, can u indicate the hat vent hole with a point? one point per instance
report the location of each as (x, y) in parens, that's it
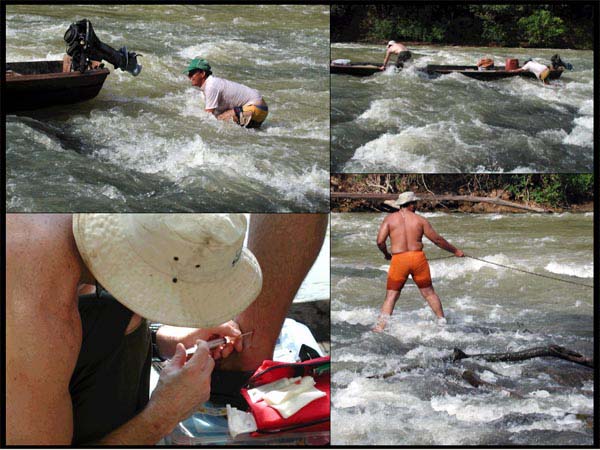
(176, 258)
(174, 280)
(197, 266)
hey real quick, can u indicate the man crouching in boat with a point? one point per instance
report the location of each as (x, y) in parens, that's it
(405, 230)
(541, 71)
(226, 99)
(396, 48)
(78, 366)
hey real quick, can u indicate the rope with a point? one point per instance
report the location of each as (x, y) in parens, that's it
(530, 273)
(441, 257)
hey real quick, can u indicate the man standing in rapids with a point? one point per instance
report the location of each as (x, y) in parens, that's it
(405, 230)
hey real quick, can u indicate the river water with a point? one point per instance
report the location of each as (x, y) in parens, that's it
(145, 143)
(425, 401)
(410, 122)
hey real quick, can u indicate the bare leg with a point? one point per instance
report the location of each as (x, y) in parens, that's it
(228, 115)
(286, 246)
(434, 301)
(386, 309)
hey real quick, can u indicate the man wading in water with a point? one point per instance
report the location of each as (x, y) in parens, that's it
(396, 48)
(405, 230)
(225, 99)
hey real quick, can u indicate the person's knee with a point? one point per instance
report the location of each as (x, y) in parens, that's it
(427, 291)
(392, 295)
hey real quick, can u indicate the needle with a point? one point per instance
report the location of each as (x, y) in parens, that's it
(214, 343)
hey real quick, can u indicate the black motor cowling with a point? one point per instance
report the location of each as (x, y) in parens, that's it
(83, 46)
(557, 62)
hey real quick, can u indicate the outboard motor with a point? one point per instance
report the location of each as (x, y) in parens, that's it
(557, 62)
(84, 46)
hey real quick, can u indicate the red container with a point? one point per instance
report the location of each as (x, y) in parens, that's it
(512, 63)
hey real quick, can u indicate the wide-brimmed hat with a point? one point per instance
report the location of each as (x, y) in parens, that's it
(406, 197)
(198, 63)
(187, 270)
(391, 43)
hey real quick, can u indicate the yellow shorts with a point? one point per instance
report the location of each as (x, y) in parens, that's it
(544, 74)
(259, 113)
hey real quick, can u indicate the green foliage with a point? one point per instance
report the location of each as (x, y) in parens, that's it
(382, 30)
(541, 28)
(552, 189)
(540, 25)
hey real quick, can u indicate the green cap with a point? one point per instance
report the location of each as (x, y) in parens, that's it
(198, 63)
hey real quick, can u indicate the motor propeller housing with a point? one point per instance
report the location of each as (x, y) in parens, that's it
(83, 46)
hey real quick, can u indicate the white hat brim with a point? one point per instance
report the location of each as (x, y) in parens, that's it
(152, 294)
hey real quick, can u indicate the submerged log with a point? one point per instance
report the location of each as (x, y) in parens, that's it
(536, 352)
(471, 377)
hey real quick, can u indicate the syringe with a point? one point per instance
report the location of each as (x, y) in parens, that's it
(214, 343)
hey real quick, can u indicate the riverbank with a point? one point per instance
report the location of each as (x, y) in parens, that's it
(379, 188)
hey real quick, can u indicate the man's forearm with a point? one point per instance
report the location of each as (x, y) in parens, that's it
(445, 245)
(147, 428)
(383, 248)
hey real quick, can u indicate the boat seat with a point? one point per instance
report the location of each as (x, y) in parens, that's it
(12, 73)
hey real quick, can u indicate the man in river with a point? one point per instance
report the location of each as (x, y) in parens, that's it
(225, 99)
(77, 372)
(396, 48)
(540, 70)
(405, 230)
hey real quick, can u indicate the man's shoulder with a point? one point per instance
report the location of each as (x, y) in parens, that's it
(39, 239)
(421, 218)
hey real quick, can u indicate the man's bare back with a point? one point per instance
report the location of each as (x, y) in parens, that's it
(397, 48)
(405, 231)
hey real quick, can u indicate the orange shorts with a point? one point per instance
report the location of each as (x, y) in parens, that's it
(408, 263)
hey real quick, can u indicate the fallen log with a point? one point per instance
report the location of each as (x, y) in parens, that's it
(536, 352)
(389, 199)
(471, 377)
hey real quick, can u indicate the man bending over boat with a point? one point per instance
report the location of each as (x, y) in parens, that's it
(540, 70)
(396, 48)
(226, 99)
(78, 366)
(405, 230)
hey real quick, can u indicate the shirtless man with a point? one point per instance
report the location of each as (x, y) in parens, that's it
(46, 271)
(226, 99)
(396, 48)
(405, 230)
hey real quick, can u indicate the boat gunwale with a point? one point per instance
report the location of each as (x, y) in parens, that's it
(52, 75)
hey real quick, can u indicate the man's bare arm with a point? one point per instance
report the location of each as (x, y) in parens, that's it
(438, 240)
(387, 58)
(384, 232)
(43, 329)
(286, 246)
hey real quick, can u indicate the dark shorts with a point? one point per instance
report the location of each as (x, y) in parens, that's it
(403, 57)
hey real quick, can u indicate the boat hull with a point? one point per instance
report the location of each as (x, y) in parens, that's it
(494, 74)
(355, 69)
(41, 84)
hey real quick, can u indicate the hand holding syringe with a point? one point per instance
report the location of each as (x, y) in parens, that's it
(214, 343)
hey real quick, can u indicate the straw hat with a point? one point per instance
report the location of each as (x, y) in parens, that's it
(186, 270)
(403, 199)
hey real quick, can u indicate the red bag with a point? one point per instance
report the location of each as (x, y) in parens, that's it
(313, 417)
